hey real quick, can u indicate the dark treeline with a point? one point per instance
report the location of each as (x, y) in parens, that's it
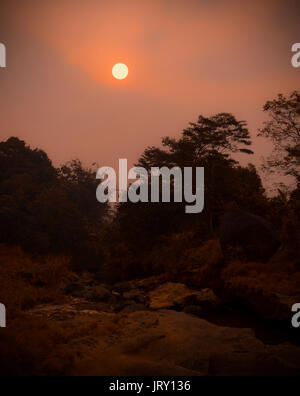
(48, 210)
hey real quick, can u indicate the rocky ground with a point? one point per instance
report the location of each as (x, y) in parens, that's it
(164, 327)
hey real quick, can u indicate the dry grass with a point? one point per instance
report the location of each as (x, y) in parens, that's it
(273, 276)
(31, 344)
(27, 282)
(210, 255)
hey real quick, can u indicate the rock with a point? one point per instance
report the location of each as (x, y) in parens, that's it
(194, 310)
(144, 285)
(252, 233)
(143, 320)
(165, 296)
(135, 295)
(98, 307)
(142, 340)
(87, 277)
(205, 299)
(134, 308)
(177, 295)
(168, 342)
(265, 302)
(268, 290)
(149, 284)
(72, 311)
(99, 294)
(73, 288)
(123, 287)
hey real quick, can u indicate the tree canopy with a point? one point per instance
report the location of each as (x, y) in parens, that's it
(218, 136)
(283, 129)
(44, 209)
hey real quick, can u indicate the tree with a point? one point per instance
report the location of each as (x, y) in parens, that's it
(283, 129)
(209, 143)
(48, 210)
(24, 174)
(81, 184)
(218, 136)
(16, 158)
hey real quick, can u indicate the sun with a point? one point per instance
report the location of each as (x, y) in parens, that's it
(120, 71)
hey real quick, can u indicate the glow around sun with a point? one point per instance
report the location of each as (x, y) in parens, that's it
(120, 71)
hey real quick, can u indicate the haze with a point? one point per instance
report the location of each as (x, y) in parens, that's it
(185, 58)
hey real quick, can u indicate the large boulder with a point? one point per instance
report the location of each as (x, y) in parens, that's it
(164, 343)
(252, 233)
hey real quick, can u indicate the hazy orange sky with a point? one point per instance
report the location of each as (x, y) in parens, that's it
(185, 58)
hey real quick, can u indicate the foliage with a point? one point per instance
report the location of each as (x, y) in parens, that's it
(214, 137)
(48, 210)
(210, 143)
(283, 129)
(53, 211)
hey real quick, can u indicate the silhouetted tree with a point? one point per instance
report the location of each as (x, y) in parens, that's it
(216, 137)
(210, 143)
(48, 210)
(283, 129)
(81, 184)
(24, 173)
